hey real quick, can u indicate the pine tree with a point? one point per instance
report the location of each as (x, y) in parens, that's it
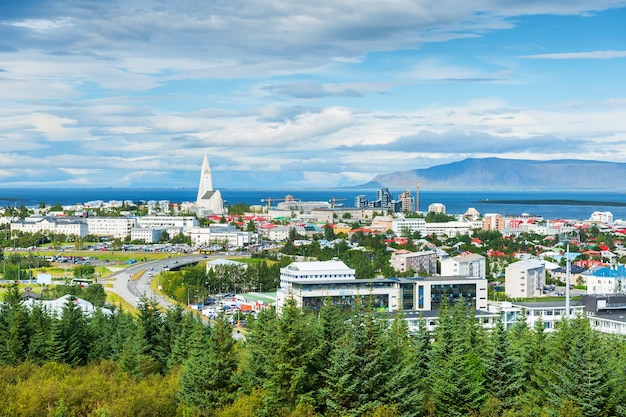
(207, 380)
(405, 388)
(14, 331)
(457, 372)
(579, 372)
(40, 324)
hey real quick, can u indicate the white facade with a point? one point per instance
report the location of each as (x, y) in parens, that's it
(70, 227)
(411, 225)
(206, 236)
(167, 221)
(147, 234)
(525, 279)
(437, 208)
(451, 229)
(116, 227)
(469, 265)
(550, 313)
(605, 285)
(605, 217)
(310, 284)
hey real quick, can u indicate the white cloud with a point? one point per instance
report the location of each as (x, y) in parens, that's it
(578, 55)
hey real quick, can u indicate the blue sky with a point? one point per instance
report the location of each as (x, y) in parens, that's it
(287, 94)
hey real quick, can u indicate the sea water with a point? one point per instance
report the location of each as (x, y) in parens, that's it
(456, 202)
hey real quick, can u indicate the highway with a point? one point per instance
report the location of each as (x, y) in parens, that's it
(133, 291)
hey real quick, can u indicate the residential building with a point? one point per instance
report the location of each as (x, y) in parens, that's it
(437, 208)
(407, 202)
(467, 265)
(605, 280)
(493, 222)
(451, 229)
(424, 261)
(525, 279)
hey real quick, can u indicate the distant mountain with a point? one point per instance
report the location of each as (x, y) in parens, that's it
(509, 175)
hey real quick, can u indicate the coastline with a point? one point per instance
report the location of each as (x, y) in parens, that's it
(556, 202)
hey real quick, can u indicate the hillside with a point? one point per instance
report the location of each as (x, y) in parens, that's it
(510, 174)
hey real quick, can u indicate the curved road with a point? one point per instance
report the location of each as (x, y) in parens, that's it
(133, 291)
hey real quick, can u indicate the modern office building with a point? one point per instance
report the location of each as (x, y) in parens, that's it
(310, 284)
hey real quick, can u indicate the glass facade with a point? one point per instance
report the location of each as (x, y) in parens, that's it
(380, 301)
(453, 293)
(408, 296)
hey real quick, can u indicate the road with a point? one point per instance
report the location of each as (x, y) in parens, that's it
(134, 291)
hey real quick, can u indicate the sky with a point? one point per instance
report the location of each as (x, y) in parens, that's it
(284, 94)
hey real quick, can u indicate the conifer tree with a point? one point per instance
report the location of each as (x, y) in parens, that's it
(40, 324)
(579, 372)
(457, 373)
(14, 334)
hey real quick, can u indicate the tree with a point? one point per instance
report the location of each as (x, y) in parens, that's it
(207, 380)
(14, 332)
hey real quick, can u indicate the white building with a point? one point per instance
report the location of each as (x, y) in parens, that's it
(69, 227)
(224, 236)
(452, 229)
(550, 313)
(525, 279)
(437, 208)
(167, 221)
(467, 265)
(402, 226)
(116, 227)
(146, 234)
(605, 217)
(209, 201)
(310, 284)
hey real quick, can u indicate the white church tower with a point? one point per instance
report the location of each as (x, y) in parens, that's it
(209, 201)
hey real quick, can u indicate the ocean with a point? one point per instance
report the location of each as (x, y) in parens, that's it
(456, 202)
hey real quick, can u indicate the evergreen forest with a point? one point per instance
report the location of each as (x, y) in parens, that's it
(301, 364)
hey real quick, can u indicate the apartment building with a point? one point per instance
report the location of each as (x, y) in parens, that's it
(525, 279)
(424, 261)
(468, 265)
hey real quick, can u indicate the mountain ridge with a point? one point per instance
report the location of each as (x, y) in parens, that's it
(509, 175)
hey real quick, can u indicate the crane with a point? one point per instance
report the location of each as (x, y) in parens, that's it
(417, 195)
(269, 200)
(417, 192)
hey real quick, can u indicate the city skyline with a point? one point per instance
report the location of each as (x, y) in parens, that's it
(284, 94)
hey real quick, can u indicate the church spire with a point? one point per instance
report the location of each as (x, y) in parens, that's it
(206, 182)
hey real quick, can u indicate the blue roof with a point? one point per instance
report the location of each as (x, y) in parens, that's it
(618, 272)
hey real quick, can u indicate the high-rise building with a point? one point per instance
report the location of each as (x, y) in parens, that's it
(407, 202)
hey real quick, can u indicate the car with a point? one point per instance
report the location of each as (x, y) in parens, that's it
(559, 294)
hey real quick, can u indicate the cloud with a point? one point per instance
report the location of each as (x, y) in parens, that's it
(310, 89)
(578, 55)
